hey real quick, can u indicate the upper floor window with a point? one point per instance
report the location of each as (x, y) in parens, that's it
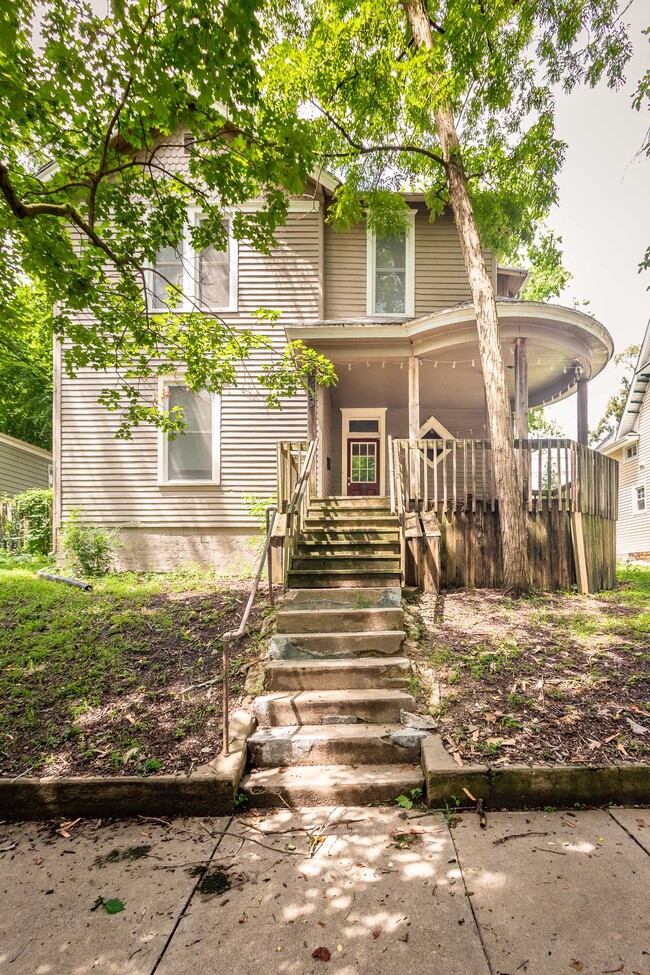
(391, 273)
(184, 278)
(192, 457)
(639, 498)
(631, 452)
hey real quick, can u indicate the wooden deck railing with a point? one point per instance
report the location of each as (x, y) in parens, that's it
(290, 457)
(451, 475)
(298, 505)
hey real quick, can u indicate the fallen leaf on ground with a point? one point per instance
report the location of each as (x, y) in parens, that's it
(576, 964)
(323, 954)
(637, 728)
(456, 757)
(376, 934)
(113, 906)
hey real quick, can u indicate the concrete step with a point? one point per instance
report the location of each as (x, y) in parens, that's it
(337, 744)
(363, 598)
(340, 620)
(297, 646)
(316, 707)
(306, 579)
(340, 674)
(330, 785)
(342, 561)
(338, 502)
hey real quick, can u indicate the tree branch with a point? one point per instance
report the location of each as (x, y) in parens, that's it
(360, 149)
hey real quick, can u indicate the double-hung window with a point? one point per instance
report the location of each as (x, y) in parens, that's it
(639, 499)
(188, 279)
(631, 452)
(391, 273)
(192, 457)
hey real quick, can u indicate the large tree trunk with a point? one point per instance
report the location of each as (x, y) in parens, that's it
(511, 510)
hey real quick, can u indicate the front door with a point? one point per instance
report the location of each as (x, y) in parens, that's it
(363, 467)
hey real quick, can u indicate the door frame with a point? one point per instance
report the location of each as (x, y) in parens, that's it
(363, 413)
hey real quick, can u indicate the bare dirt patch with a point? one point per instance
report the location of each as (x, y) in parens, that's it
(551, 678)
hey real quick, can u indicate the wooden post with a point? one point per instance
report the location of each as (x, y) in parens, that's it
(414, 425)
(521, 390)
(312, 429)
(583, 410)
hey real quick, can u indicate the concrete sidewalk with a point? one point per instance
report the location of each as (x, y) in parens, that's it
(354, 890)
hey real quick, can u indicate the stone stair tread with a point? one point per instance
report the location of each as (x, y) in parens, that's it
(331, 784)
(339, 663)
(341, 635)
(321, 731)
(336, 696)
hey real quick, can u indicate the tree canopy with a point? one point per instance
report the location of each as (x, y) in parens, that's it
(26, 368)
(89, 106)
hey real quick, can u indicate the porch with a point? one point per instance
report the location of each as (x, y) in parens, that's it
(444, 497)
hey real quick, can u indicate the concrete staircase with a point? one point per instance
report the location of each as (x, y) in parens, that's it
(335, 685)
(347, 542)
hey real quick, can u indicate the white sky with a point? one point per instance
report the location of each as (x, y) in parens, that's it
(604, 212)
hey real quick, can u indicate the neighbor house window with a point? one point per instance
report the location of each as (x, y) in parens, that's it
(639, 498)
(391, 273)
(187, 279)
(631, 452)
(191, 456)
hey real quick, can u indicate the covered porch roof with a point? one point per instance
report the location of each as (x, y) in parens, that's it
(563, 346)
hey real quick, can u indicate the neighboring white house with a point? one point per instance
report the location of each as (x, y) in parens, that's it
(23, 466)
(630, 446)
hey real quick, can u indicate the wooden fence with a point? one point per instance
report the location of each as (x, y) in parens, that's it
(458, 475)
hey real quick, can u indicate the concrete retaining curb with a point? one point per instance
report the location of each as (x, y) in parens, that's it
(209, 790)
(517, 786)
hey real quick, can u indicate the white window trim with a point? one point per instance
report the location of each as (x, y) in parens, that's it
(190, 261)
(193, 261)
(163, 444)
(363, 414)
(634, 456)
(371, 263)
(635, 508)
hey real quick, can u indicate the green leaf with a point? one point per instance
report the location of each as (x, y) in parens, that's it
(113, 906)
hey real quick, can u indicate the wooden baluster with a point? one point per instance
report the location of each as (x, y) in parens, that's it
(463, 444)
(435, 474)
(444, 476)
(473, 478)
(425, 479)
(454, 474)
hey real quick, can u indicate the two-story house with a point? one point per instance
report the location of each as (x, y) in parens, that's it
(630, 446)
(395, 318)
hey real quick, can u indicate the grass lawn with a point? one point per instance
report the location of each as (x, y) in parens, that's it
(92, 683)
(549, 678)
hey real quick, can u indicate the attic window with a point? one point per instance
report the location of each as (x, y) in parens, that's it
(391, 273)
(188, 142)
(631, 452)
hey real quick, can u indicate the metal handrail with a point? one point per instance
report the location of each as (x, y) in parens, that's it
(229, 637)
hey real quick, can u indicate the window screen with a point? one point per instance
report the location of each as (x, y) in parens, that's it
(189, 456)
(167, 277)
(214, 276)
(390, 275)
(640, 498)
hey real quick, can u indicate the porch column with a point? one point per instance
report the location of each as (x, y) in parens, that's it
(414, 397)
(414, 427)
(583, 410)
(312, 423)
(521, 390)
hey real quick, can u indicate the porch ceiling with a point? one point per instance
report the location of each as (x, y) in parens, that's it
(559, 342)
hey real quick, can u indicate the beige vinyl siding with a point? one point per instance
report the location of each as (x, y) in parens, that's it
(21, 469)
(440, 277)
(632, 529)
(116, 482)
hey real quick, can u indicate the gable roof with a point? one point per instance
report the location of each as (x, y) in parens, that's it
(629, 422)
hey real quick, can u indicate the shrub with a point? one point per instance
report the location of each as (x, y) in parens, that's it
(256, 507)
(30, 527)
(88, 548)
